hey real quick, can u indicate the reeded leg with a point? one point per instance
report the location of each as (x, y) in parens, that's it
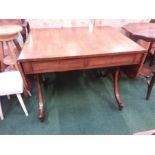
(22, 104)
(1, 112)
(116, 77)
(150, 86)
(41, 115)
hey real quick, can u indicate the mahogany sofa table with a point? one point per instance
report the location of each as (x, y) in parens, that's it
(65, 49)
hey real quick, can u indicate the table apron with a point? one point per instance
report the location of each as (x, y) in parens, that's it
(43, 66)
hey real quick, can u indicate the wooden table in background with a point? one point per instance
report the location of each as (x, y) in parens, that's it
(66, 49)
(142, 31)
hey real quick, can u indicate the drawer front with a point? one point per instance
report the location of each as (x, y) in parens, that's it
(54, 65)
(83, 63)
(117, 60)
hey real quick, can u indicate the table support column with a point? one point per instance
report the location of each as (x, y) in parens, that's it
(116, 77)
(41, 114)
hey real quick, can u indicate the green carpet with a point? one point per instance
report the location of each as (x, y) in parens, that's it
(77, 103)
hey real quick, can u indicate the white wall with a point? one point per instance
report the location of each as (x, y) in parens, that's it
(117, 23)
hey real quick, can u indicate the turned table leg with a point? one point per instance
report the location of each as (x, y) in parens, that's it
(150, 86)
(41, 115)
(116, 76)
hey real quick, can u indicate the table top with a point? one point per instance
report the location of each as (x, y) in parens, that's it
(58, 43)
(145, 31)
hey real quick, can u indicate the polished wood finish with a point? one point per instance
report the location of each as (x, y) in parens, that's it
(8, 34)
(16, 22)
(69, 43)
(57, 50)
(22, 22)
(41, 114)
(41, 66)
(144, 31)
(116, 76)
(9, 30)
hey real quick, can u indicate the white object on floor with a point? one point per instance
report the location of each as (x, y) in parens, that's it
(12, 83)
(149, 132)
(22, 103)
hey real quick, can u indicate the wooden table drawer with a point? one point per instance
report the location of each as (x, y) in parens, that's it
(119, 60)
(53, 65)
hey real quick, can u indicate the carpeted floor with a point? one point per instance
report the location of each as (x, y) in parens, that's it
(77, 103)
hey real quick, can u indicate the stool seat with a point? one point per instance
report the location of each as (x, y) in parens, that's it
(9, 32)
(10, 29)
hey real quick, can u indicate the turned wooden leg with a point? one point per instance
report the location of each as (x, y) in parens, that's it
(149, 51)
(1, 57)
(23, 33)
(116, 77)
(28, 27)
(150, 86)
(17, 46)
(41, 115)
(152, 60)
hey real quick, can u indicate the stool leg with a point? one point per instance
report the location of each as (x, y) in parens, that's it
(17, 46)
(23, 33)
(1, 57)
(1, 112)
(150, 86)
(22, 104)
(11, 49)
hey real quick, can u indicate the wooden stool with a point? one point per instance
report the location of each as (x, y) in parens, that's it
(22, 22)
(9, 35)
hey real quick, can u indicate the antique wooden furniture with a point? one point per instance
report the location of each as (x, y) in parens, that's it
(10, 51)
(146, 32)
(65, 49)
(142, 31)
(25, 30)
(12, 83)
(22, 22)
(8, 34)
